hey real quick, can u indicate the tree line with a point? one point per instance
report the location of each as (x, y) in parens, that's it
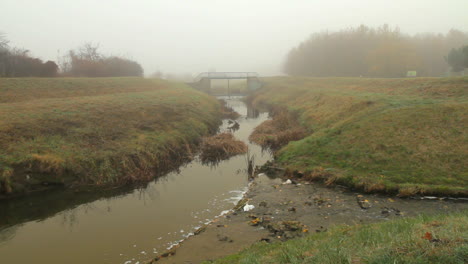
(16, 62)
(458, 58)
(374, 52)
(85, 61)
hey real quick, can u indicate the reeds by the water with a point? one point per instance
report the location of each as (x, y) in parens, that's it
(221, 146)
(277, 132)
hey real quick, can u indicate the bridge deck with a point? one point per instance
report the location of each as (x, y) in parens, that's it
(226, 75)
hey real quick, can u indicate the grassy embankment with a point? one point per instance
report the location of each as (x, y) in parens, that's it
(106, 131)
(405, 136)
(434, 239)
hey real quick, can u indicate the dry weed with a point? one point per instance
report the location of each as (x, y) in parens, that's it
(278, 132)
(221, 146)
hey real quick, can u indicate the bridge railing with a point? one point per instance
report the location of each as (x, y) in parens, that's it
(226, 75)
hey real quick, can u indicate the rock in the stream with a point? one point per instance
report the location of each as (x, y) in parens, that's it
(363, 203)
(287, 229)
(223, 238)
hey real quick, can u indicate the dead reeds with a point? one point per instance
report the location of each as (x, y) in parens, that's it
(220, 147)
(278, 132)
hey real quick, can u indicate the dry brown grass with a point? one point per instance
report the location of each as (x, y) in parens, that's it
(111, 132)
(401, 136)
(221, 146)
(278, 132)
(26, 89)
(227, 112)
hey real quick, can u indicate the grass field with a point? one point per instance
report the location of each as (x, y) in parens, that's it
(78, 131)
(405, 136)
(434, 239)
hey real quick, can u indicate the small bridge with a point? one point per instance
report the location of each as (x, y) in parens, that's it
(203, 81)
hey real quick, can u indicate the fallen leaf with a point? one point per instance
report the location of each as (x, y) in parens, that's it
(427, 236)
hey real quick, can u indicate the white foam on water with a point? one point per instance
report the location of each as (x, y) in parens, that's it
(225, 212)
(237, 196)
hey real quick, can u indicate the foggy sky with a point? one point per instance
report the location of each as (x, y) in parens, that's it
(179, 36)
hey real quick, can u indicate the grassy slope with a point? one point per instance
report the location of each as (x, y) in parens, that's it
(392, 135)
(398, 241)
(96, 131)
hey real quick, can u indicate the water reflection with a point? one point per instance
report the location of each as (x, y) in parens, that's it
(8, 233)
(118, 224)
(44, 205)
(252, 112)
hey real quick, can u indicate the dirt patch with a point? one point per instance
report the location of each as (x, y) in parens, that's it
(278, 132)
(220, 147)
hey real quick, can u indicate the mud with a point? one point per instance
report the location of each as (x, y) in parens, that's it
(284, 209)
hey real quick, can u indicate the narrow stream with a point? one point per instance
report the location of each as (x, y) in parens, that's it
(127, 226)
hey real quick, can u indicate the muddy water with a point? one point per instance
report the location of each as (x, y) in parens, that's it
(126, 226)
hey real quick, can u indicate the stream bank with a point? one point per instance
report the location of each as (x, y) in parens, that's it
(285, 209)
(280, 209)
(97, 132)
(128, 225)
(404, 137)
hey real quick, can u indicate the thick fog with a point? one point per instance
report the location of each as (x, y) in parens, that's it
(205, 35)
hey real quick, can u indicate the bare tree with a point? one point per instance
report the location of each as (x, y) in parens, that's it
(89, 51)
(3, 41)
(87, 61)
(3, 54)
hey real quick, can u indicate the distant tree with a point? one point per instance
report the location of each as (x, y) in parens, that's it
(458, 59)
(3, 41)
(465, 56)
(379, 52)
(392, 59)
(87, 61)
(116, 66)
(16, 62)
(49, 69)
(3, 54)
(89, 51)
